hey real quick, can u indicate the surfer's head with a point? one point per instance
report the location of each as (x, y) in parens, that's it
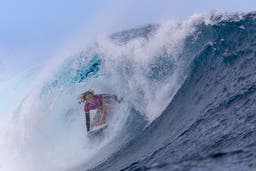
(88, 95)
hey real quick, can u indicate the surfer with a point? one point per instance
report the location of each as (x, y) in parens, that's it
(99, 102)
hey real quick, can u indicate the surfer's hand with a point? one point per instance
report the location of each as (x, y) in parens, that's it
(120, 100)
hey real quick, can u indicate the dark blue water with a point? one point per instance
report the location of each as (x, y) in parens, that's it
(211, 122)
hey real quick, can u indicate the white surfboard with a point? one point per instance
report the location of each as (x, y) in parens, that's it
(97, 129)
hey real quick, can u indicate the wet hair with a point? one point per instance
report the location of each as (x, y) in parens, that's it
(83, 95)
(88, 92)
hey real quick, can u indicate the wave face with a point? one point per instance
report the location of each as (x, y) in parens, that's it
(210, 123)
(188, 91)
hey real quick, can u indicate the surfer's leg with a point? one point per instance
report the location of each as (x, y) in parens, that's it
(87, 116)
(96, 121)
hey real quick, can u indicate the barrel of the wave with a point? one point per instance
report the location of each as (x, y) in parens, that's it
(100, 107)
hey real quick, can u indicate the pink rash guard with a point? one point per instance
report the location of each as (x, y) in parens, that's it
(96, 104)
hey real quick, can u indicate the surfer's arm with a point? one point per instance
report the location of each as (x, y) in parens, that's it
(114, 97)
(103, 113)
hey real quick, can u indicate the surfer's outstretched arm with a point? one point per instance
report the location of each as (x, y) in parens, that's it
(112, 97)
(87, 117)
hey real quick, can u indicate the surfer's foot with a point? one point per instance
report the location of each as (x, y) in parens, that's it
(102, 122)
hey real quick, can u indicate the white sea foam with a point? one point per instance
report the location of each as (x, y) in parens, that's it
(46, 129)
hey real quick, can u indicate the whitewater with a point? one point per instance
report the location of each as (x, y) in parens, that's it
(188, 92)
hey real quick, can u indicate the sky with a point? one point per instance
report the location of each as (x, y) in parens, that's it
(32, 31)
